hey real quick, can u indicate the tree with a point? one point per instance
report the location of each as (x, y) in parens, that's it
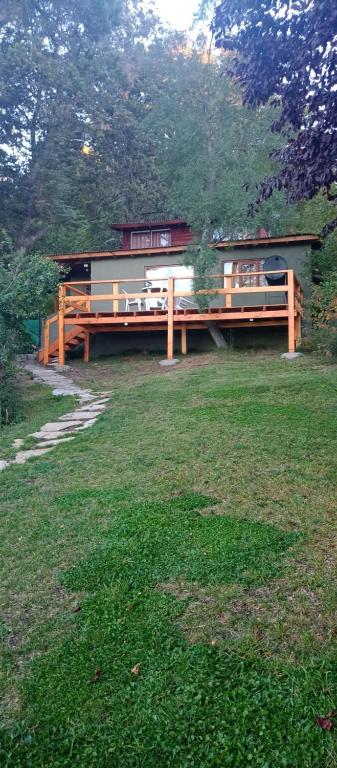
(67, 83)
(208, 143)
(287, 55)
(28, 285)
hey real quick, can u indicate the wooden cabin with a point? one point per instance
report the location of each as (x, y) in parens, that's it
(141, 294)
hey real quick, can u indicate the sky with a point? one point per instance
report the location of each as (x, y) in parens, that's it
(178, 13)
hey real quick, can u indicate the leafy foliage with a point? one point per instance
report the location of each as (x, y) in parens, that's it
(288, 54)
(27, 287)
(65, 85)
(10, 398)
(324, 314)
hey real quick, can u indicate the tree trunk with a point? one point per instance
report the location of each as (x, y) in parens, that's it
(217, 335)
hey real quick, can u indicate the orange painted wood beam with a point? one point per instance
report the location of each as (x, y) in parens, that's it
(162, 319)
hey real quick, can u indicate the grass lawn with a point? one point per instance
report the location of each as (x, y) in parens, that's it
(168, 579)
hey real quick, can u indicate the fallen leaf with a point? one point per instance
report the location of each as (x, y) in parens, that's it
(136, 669)
(326, 722)
(97, 676)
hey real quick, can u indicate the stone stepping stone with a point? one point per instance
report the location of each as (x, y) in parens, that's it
(51, 435)
(77, 416)
(62, 431)
(57, 426)
(88, 424)
(58, 392)
(54, 442)
(23, 456)
(92, 407)
(18, 443)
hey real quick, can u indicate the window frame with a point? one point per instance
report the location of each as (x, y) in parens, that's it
(138, 232)
(150, 232)
(258, 262)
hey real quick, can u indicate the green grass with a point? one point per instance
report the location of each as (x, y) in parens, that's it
(192, 531)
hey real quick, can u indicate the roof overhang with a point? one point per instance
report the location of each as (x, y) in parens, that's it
(312, 240)
(258, 241)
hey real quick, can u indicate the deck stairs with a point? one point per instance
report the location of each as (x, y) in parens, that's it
(73, 338)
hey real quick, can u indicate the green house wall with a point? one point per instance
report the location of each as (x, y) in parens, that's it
(297, 256)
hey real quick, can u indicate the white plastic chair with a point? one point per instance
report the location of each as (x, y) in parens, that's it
(153, 300)
(131, 303)
(183, 303)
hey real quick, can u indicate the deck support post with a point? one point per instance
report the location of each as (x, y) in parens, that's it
(61, 325)
(184, 340)
(291, 312)
(298, 329)
(170, 320)
(46, 336)
(86, 355)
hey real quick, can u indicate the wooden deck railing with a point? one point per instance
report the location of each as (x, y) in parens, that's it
(100, 302)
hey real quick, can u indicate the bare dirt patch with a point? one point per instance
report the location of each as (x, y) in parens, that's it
(131, 369)
(282, 621)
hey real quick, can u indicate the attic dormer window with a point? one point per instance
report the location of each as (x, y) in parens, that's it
(151, 238)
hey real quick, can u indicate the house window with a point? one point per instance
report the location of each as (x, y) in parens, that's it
(141, 239)
(151, 238)
(245, 270)
(161, 274)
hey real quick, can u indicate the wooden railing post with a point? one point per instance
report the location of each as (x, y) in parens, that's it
(228, 296)
(115, 292)
(291, 312)
(46, 337)
(61, 324)
(170, 320)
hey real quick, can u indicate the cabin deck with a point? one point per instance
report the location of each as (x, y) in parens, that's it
(103, 306)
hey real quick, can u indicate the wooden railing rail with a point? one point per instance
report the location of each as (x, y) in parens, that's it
(77, 290)
(95, 297)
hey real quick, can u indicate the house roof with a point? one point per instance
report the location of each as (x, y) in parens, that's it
(226, 244)
(257, 241)
(148, 224)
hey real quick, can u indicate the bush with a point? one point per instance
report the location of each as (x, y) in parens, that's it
(323, 337)
(28, 284)
(10, 398)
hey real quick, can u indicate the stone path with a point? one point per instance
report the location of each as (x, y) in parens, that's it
(64, 429)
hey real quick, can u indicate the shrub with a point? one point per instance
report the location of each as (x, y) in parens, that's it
(10, 398)
(323, 337)
(28, 283)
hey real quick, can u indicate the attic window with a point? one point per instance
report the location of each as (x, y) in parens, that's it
(151, 238)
